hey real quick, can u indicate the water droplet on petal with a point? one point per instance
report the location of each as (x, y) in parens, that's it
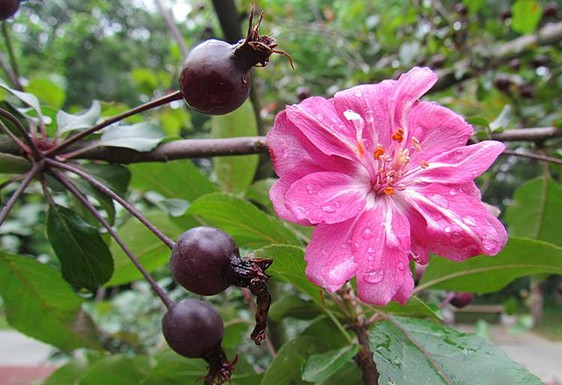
(371, 250)
(447, 229)
(469, 221)
(373, 276)
(369, 116)
(367, 233)
(416, 258)
(440, 200)
(310, 189)
(358, 93)
(453, 192)
(328, 209)
(401, 266)
(488, 243)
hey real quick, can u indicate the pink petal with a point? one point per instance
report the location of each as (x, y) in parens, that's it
(277, 195)
(458, 226)
(329, 259)
(327, 197)
(381, 242)
(318, 120)
(458, 166)
(437, 128)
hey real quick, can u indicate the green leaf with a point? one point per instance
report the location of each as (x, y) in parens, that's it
(48, 91)
(536, 211)
(526, 16)
(410, 351)
(85, 258)
(414, 308)
(250, 226)
(114, 176)
(319, 367)
(139, 137)
(116, 370)
(474, 5)
(177, 179)
(286, 366)
(293, 306)
(484, 274)
(29, 99)
(172, 369)
(146, 246)
(39, 303)
(258, 193)
(289, 266)
(235, 173)
(11, 164)
(68, 374)
(69, 122)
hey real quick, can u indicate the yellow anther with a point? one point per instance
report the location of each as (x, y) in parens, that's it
(424, 164)
(389, 190)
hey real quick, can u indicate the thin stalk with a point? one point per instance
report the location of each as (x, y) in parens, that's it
(117, 118)
(532, 156)
(12, 56)
(24, 147)
(110, 193)
(23, 132)
(35, 169)
(67, 183)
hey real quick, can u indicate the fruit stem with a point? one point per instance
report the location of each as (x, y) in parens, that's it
(12, 56)
(30, 145)
(116, 197)
(35, 169)
(82, 198)
(109, 121)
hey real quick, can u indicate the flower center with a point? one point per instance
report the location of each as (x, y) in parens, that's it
(389, 165)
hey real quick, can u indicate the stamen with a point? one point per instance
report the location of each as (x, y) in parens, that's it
(416, 144)
(379, 151)
(424, 164)
(389, 190)
(398, 135)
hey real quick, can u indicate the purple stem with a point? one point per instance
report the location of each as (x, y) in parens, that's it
(35, 169)
(107, 191)
(133, 111)
(22, 130)
(82, 198)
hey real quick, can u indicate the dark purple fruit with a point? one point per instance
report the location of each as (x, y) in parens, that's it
(503, 83)
(461, 299)
(193, 329)
(215, 77)
(8, 8)
(201, 258)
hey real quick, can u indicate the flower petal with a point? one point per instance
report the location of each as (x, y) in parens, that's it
(329, 259)
(437, 128)
(380, 244)
(458, 166)
(458, 226)
(327, 197)
(318, 120)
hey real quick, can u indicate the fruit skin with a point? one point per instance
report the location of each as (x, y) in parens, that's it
(461, 299)
(8, 8)
(193, 329)
(201, 259)
(213, 79)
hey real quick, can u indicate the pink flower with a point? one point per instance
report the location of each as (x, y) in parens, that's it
(385, 178)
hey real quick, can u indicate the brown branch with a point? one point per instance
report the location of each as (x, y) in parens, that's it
(538, 134)
(229, 19)
(173, 28)
(549, 34)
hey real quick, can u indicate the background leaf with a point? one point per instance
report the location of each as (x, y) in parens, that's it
(48, 91)
(526, 16)
(250, 226)
(11, 164)
(235, 173)
(484, 274)
(410, 351)
(70, 122)
(139, 137)
(85, 259)
(319, 367)
(178, 179)
(39, 303)
(536, 211)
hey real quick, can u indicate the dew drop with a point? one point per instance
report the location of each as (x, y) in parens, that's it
(440, 200)
(371, 250)
(469, 221)
(453, 192)
(328, 209)
(310, 189)
(489, 244)
(369, 116)
(373, 276)
(447, 229)
(401, 266)
(367, 233)
(358, 93)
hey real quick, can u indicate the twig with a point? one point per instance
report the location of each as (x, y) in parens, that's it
(35, 151)
(110, 193)
(172, 27)
(82, 198)
(35, 169)
(143, 107)
(9, 73)
(12, 57)
(532, 156)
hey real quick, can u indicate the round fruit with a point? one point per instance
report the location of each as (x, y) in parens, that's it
(8, 8)
(213, 79)
(201, 258)
(193, 329)
(461, 299)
